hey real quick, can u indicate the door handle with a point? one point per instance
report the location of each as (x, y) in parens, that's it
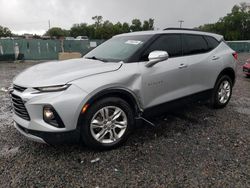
(182, 66)
(215, 58)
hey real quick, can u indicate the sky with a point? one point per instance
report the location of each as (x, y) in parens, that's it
(32, 16)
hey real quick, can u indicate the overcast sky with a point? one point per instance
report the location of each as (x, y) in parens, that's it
(32, 16)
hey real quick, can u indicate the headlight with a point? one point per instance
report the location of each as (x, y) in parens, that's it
(53, 88)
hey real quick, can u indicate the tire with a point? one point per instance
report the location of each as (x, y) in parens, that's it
(217, 100)
(100, 132)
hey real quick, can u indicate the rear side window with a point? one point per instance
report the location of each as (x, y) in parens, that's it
(170, 43)
(212, 42)
(194, 44)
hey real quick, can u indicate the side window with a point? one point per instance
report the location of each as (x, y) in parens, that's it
(194, 44)
(170, 43)
(212, 42)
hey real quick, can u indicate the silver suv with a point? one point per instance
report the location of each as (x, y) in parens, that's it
(99, 98)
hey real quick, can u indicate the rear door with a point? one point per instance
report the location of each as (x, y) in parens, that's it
(167, 80)
(200, 54)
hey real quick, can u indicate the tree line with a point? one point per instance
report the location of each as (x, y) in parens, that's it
(234, 26)
(101, 29)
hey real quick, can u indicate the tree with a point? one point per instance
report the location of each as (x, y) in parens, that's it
(98, 20)
(57, 32)
(79, 30)
(151, 24)
(136, 25)
(234, 26)
(5, 32)
(125, 27)
(105, 29)
(145, 26)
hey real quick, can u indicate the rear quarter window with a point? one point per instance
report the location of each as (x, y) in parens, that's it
(212, 42)
(194, 44)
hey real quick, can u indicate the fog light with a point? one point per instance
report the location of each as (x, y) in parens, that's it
(48, 113)
(51, 117)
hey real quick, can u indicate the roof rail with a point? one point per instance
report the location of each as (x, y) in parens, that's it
(187, 29)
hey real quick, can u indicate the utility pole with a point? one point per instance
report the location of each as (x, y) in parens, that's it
(181, 22)
(49, 24)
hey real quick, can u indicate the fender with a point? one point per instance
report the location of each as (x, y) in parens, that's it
(124, 93)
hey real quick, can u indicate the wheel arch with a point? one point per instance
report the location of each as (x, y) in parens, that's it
(122, 93)
(229, 72)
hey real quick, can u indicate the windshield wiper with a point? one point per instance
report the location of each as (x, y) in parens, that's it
(96, 58)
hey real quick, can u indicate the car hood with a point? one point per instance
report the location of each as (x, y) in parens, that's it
(62, 72)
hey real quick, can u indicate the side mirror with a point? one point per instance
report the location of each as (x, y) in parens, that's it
(156, 57)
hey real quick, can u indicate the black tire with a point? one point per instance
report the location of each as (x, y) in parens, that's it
(215, 102)
(86, 136)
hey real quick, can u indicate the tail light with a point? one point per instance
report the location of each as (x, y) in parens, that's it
(235, 54)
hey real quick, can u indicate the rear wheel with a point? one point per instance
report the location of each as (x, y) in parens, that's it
(222, 92)
(107, 123)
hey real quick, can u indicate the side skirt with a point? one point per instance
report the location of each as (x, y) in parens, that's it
(175, 104)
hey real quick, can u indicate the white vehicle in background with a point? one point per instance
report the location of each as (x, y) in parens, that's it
(69, 38)
(82, 38)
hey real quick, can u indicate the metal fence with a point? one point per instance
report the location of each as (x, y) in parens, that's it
(37, 49)
(240, 46)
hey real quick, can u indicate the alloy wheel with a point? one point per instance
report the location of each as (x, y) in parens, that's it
(108, 124)
(224, 92)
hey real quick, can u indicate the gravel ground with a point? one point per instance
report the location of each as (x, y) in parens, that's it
(196, 147)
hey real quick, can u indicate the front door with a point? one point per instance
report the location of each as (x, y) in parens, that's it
(167, 80)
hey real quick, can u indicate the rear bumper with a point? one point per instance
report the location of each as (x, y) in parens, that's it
(246, 70)
(69, 137)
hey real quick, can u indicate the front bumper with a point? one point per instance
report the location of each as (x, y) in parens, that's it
(69, 137)
(68, 105)
(27, 134)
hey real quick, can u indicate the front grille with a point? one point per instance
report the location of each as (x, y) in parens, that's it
(19, 107)
(19, 88)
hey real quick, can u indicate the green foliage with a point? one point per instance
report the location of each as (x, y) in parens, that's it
(136, 25)
(5, 32)
(105, 29)
(234, 26)
(57, 32)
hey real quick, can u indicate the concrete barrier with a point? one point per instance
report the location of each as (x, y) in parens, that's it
(69, 55)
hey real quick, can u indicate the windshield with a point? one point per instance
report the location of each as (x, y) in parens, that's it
(118, 48)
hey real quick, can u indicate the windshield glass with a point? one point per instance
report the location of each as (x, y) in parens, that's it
(118, 48)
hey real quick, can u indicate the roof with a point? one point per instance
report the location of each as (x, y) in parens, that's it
(182, 31)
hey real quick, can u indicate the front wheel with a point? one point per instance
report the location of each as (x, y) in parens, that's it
(222, 92)
(107, 123)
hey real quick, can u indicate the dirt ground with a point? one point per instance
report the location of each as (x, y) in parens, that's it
(195, 147)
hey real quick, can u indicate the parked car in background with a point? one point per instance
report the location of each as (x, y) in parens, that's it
(69, 38)
(82, 38)
(246, 68)
(98, 99)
